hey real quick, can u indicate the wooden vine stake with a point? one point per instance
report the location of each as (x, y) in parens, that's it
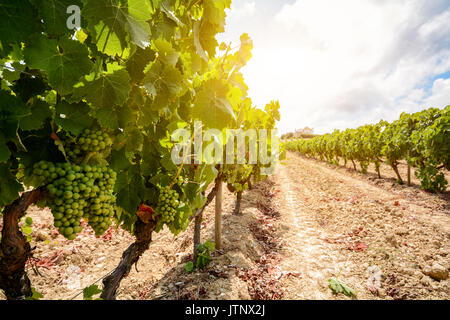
(218, 217)
(409, 171)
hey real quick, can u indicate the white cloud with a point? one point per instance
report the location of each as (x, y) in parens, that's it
(245, 10)
(440, 94)
(337, 64)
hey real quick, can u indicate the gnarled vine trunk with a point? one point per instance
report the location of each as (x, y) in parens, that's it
(198, 222)
(130, 257)
(395, 168)
(237, 209)
(354, 165)
(15, 249)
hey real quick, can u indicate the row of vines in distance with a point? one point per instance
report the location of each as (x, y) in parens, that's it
(86, 118)
(422, 139)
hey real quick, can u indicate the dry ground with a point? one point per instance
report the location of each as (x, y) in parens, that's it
(307, 223)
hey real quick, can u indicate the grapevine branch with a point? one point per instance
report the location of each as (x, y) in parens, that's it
(130, 257)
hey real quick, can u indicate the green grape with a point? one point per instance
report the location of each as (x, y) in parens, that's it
(78, 191)
(167, 204)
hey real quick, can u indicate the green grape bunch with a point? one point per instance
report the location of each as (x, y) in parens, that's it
(78, 191)
(167, 205)
(237, 176)
(90, 141)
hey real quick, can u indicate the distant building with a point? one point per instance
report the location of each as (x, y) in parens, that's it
(307, 131)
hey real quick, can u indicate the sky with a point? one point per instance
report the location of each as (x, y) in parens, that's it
(341, 64)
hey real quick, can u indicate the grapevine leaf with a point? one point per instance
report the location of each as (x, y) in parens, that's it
(150, 159)
(54, 15)
(9, 186)
(11, 107)
(212, 106)
(30, 84)
(113, 21)
(110, 89)
(165, 7)
(35, 295)
(40, 111)
(138, 61)
(91, 291)
(134, 141)
(107, 117)
(163, 27)
(64, 62)
(4, 150)
(138, 15)
(198, 46)
(125, 115)
(167, 163)
(17, 21)
(40, 146)
(147, 115)
(118, 161)
(166, 53)
(129, 187)
(160, 180)
(164, 82)
(73, 117)
(13, 73)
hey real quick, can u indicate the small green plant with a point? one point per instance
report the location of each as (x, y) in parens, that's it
(204, 254)
(26, 228)
(91, 291)
(338, 287)
(189, 267)
(35, 295)
(204, 257)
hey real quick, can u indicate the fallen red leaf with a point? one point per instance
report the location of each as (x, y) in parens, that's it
(360, 247)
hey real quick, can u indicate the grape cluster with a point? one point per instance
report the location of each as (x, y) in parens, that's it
(78, 191)
(89, 141)
(237, 176)
(167, 204)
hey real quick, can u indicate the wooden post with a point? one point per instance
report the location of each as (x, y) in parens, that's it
(409, 172)
(409, 175)
(218, 216)
(197, 239)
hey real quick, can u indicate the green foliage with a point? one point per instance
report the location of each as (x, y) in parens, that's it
(422, 139)
(338, 287)
(91, 291)
(204, 254)
(89, 114)
(204, 257)
(26, 228)
(136, 71)
(35, 295)
(189, 267)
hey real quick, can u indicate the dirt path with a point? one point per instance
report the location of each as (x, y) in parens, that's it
(369, 234)
(309, 222)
